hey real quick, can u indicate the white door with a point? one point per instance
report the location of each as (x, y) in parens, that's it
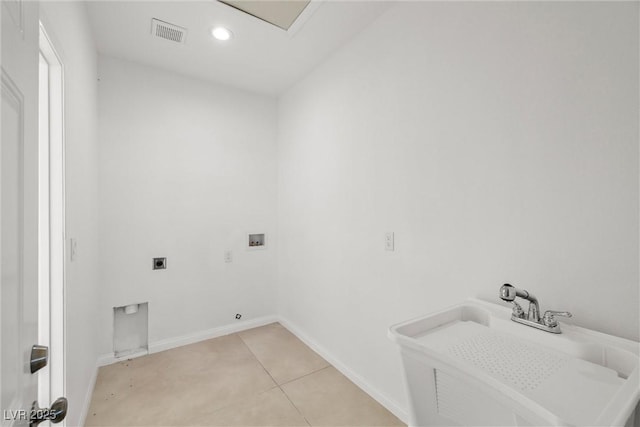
(19, 58)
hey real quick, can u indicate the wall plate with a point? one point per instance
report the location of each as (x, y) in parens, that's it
(256, 241)
(160, 263)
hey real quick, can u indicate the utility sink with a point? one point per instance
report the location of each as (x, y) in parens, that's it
(471, 365)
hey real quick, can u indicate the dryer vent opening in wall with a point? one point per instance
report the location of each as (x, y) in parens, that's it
(167, 31)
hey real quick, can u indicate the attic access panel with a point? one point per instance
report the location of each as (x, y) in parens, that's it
(281, 13)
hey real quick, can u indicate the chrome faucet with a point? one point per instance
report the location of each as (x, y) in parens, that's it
(548, 321)
(509, 293)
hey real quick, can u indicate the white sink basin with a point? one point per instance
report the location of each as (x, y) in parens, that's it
(471, 365)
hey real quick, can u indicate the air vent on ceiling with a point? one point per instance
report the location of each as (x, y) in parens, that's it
(168, 31)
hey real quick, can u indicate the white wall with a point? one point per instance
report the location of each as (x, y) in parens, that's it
(499, 141)
(186, 169)
(67, 25)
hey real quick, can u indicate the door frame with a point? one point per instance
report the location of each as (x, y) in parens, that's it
(51, 289)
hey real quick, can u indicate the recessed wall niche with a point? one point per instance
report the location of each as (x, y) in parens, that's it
(256, 240)
(131, 330)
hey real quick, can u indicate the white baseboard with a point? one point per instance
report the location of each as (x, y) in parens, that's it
(169, 343)
(210, 333)
(379, 396)
(87, 398)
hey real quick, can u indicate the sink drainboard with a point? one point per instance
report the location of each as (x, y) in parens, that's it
(523, 367)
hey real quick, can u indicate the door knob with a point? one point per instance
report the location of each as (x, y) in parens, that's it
(55, 414)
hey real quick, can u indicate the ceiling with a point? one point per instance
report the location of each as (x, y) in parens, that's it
(260, 57)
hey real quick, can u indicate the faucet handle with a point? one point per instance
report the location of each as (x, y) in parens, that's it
(549, 318)
(517, 311)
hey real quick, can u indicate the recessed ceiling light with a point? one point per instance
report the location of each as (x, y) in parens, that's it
(221, 33)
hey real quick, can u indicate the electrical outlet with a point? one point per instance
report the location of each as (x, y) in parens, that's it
(389, 241)
(160, 263)
(228, 256)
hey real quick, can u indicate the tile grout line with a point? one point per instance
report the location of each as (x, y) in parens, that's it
(306, 375)
(258, 360)
(294, 405)
(256, 394)
(276, 383)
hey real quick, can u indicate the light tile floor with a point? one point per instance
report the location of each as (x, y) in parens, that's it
(259, 377)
